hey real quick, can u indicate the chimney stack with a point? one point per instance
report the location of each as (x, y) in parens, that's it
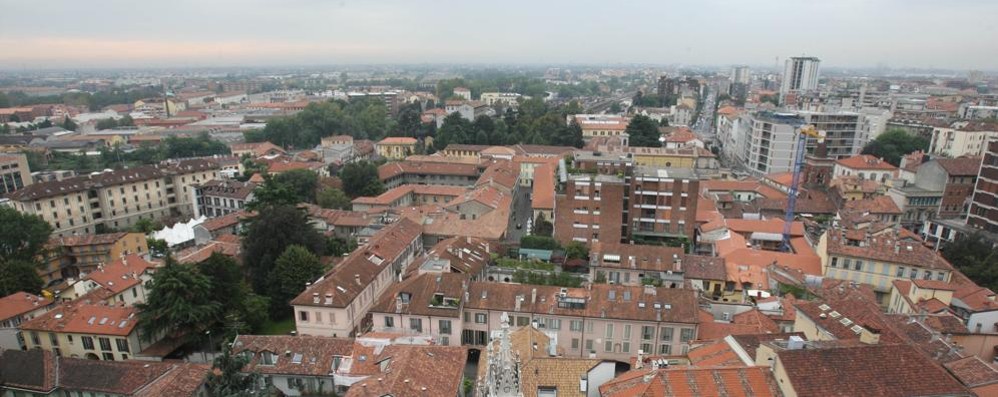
(356, 278)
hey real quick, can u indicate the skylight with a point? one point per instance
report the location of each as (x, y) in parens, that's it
(296, 359)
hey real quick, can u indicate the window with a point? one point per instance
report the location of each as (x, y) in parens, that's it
(267, 358)
(445, 327)
(522, 321)
(554, 323)
(859, 265)
(547, 391)
(416, 324)
(53, 339)
(940, 276)
(575, 325)
(627, 331)
(589, 345)
(122, 345)
(646, 348)
(835, 262)
(108, 356)
(647, 333)
(609, 331)
(303, 316)
(480, 318)
(88, 342)
(900, 272)
(913, 274)
(105, 344)
(665, 350)
(846, 263)
(626, 347)
(467, 317)
(686, 334)
(927, 275)
(389, 322)
(666, 333)
(608, 346)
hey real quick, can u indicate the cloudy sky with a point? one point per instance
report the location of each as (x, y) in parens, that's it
(957, 34)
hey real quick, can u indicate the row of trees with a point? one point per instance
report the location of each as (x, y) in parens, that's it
(535, 123)
(171, 148)
(359, 118)
(93, 101)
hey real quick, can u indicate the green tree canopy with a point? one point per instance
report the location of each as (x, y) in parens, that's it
(576, 250)
(300, 183)
(894, 144)
(22, 236)
(227, 379)
(294, 268)
(333, 198)
(19, 275)
(243, 310)
(179, 304)
(976, 257)
(361, 179)
(269, 233)
(542, 227)
(643, 132)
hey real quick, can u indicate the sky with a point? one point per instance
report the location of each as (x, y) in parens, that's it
(951, 34)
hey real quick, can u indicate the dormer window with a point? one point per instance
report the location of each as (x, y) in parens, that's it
(268, 358)
(405, 297)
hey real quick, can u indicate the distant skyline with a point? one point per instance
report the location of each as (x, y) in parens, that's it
(56, 34)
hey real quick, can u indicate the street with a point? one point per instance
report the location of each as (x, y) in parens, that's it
(521, 212)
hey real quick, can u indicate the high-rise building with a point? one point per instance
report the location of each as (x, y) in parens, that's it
(800, 75)
(14, 173)
(740, 74)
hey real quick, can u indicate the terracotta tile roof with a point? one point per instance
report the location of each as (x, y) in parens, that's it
(415, 371)
(635, 256)
(112, 178)
(970, 295)
(227, 188)
(463, 255)
(866, 162)
(920, 334)
(714, 353)
(972, 371)
(316, 353)
(882, 249)
(681, 135)
(362, 266)
(232, 249)
(277, 167)
(259, 148)
(122, 274)
(33, 370)
(877, 370)
(674, 305)
(88, 239)
(392, 195)
(962, 166)
(771, 225)
(420, 294)
(83, 317)
(543, 189)
(398, 140)
(934, 284)
(227, 220)
(505, 174)
(859, 313)
(713, 330)
(20, 303)
(751, 342)
(722, 381)
(755, 318)
(184, 380)
(393, 169)
(111, 377)
(698, 267)
(874, 205)
(740, 186)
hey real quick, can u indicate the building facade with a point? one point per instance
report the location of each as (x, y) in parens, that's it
(14, 173)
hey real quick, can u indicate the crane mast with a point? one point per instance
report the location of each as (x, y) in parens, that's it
(803, 134)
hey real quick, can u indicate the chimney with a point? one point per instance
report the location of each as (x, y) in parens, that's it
(677, 262)
(870, 336)
(533, 296)
(795, 343)
(356, 278)
(329, 299)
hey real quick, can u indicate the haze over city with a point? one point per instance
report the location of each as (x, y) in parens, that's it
(955, 35)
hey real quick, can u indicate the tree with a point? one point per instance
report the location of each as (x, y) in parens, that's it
(22, 236)
(361, 179)
(576, 250)
(68, 124)
(229, 289)
(338, 246)
(643, 131)
(269, 233)
(272, 193)
(158, 248)
(541, 226)
(300, 183)
(293, 269)
(454, 130)
(146, 226)
(179, 304)
(333, 198)
(894, 144)
(226, 379)
(19, 275)
(570, 135)
(539, 242)
(976, 257)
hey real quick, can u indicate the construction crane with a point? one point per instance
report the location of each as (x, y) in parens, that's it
(804, 132)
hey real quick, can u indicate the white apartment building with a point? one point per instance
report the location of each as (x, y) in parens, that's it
(800, 74)
(962, 138)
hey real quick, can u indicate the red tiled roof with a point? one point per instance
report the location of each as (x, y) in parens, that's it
(962, 166)
(121, 274)
(83, 317)
(20, 303)
(398, 140)
(866, 162)
(868, 370)
(681, 382)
